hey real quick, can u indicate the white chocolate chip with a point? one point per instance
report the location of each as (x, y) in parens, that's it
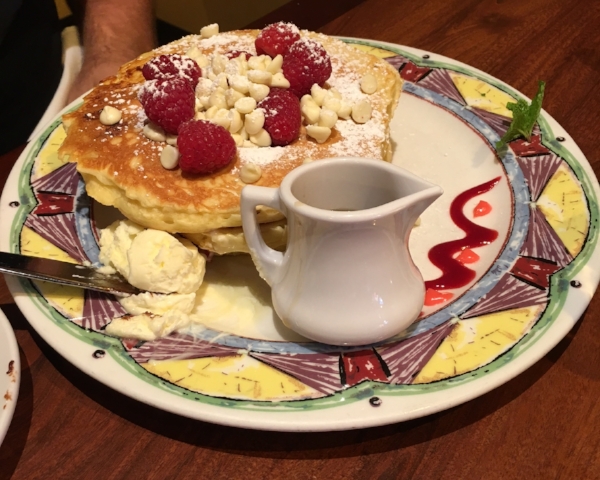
(311, 113)
(261, 77)
(335, 93)
(368, 84)
(237, 138)
(111, 115)
(245, 105)
(205, 101)
(256, 62)
(307, 160)
(154, 132)
(278, 80)
(361, 111)
(327, 118)
(257, 91)
(210, 113)
(307, 99)
(217, 98)
(195, 54)
(262, 138)
(200, 116)
(332, 103)
(221, 81)
(242, 64)
(232, 67)
(193, 51)
(232, 96)
(209, 30)
(236, 123)
(320, 134)
(202, 60)
(250, 173)
(345, 110)
(275, 65)
(169, 157)
(239, 83)
(222, 118)
(171, 139)
(249, 144)
(318, 94)
(219, 63)
(254, 121)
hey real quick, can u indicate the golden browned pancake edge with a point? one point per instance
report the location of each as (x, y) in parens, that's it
(122, 168)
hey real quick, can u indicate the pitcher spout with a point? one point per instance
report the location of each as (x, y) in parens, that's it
(419, 202)
(414, 196)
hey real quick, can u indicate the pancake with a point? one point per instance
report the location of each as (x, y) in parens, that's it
(122, 168)
(227, 240)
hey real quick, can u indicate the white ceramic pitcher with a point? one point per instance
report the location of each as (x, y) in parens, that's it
(346, 276)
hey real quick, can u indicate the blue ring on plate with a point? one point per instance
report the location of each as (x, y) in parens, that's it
(484, 284)
(83, 224)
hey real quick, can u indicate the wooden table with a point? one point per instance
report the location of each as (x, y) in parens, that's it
(543, 424)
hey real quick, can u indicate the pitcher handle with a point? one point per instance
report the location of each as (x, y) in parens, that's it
(266, 259)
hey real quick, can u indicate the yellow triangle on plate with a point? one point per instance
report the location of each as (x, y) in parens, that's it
(47, 160)
(236, 376)
(378, 52)
(67, 300)
(477, 341)
(35, 245)
(564, 205)
(482, 95)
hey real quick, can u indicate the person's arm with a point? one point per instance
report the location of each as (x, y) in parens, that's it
(114, 32)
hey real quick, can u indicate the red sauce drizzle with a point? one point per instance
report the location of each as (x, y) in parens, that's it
(433, 297)
(467, 256)
(482, 208)
(454, 273)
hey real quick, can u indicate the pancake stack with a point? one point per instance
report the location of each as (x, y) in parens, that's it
(121, 166)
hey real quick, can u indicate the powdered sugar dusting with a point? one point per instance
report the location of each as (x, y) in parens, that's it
(347, 71)
(222, 43)
(165, 66)
(207, 201)
(285, 27)
(314, 49)
(355, 136)
(260, 156)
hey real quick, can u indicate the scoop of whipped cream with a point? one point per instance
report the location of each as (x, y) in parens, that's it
(152, 260)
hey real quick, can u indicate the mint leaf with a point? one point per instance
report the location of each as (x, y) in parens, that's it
(524, 117)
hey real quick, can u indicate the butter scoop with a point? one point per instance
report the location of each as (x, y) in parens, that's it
(152, 260)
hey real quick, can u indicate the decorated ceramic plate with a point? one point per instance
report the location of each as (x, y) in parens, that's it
(9, 374)
(509, 254)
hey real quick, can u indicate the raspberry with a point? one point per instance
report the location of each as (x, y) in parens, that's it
(282, 116)
(305, 63)
(204, 146)
(169, 66)
(231, 54)
(168, 102)
(275, 39)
